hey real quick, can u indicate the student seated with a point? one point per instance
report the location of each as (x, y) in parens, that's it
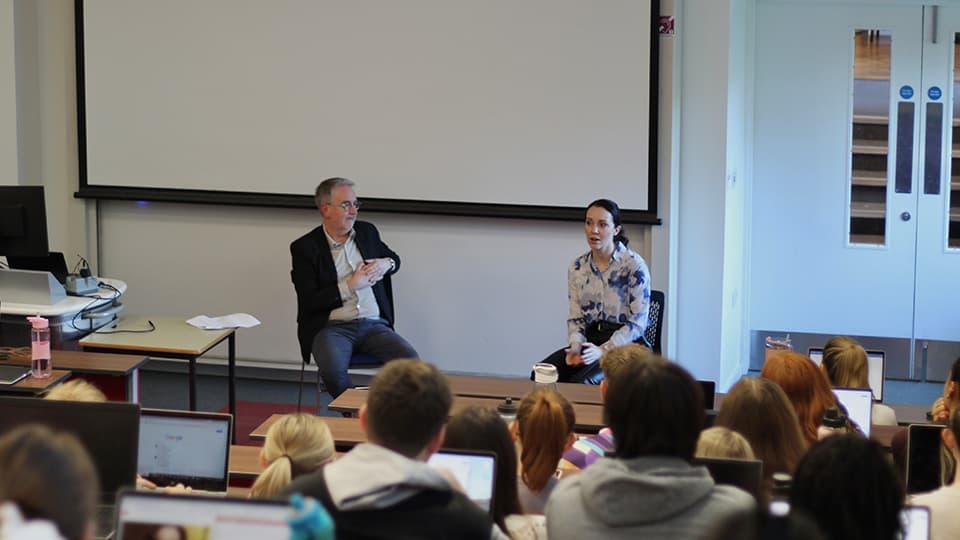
(845, 365)
(76, 390)
(544, 431)
(48, 485)
(806, 387)
(384, 488)
(649, 490)
(720, 442)
(477, 428)
(848, 486)
(296, 444)
(943, 503)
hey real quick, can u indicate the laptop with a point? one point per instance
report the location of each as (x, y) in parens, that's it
(54, 263)
(12, 374)
(746, 474)
(184, 447)
(915, 521)
(858, 402)
(876, 368)
(146, 514)
(709, 393)
(923, 457)
(476, 471)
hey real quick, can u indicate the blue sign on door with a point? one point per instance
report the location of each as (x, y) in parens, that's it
(935, 93)
(906, 91)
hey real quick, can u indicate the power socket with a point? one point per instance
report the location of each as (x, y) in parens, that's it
(79, 285)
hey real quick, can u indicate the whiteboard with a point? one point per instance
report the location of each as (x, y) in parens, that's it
(496, 102)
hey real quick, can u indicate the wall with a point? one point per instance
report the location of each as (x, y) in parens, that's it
(8, 97)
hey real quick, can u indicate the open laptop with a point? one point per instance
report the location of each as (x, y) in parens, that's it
(184, 447)
(746, 474)
(915, 521)
(145, 514)
(923, 457)
(54, 263)
(876, 368)
(476, 471)
(858, 403)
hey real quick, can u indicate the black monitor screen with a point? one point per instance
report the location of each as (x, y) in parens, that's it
(23, 222)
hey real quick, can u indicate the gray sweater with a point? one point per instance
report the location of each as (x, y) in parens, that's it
(647, 497)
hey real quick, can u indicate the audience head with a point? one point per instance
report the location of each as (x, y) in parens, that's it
(759, 410)
(544, 427)
(613, 212)
(407, 407)
(50, 476)
(806, 387)
(479, 428)
(845, 363)
(951, 387)
(848, 486)
(654, 408)
(76, 390)
(721, 442)
(613, 361)
(295, 444)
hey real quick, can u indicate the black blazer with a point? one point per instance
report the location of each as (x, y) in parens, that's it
(314, 277)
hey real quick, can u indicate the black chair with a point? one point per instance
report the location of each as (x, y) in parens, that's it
(654, 321)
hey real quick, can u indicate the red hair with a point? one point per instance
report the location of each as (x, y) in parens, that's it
(806, 386)
(545, 422)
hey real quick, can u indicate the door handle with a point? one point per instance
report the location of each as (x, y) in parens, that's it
(905, 216)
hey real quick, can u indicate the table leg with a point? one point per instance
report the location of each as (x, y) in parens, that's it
(232, 378)
(193, 383)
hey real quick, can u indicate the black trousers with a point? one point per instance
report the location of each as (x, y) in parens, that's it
(597, 333)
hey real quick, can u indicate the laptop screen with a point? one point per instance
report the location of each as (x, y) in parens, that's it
(923, 457)
(746, 474)
(876, 365)
(141, 514)
(915, 521)
(859, 405)
(109, 432)
(475, 471)
(185, 447)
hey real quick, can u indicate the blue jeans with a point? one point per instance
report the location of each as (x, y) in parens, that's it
(335, 345)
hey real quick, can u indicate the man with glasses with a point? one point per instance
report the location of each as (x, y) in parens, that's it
(341, 272)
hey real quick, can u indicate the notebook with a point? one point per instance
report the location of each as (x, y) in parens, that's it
(876, 368)
(858, 403)
(184, 447)
(12, 374)
(746, 474)
(476, 471)
(923, 457)
(145, 514)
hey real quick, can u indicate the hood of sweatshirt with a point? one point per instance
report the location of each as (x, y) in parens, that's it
(371, 477)
(633, 492)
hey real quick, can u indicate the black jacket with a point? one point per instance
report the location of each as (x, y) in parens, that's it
(314, 277)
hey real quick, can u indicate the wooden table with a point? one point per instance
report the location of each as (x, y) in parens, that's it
(589, 417)
(29, 385)
(502, 387)
(346, 432)
(244, 462)
(125, 367)
(171, 337)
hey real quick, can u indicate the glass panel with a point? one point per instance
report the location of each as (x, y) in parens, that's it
(953, 167)
(904, 176)
(870, 136)
(933, 145)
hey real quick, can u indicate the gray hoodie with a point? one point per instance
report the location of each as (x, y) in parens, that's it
(649, 497)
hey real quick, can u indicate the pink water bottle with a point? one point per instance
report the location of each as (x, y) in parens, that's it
(40, 366)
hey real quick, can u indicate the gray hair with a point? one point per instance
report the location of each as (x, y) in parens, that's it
(325, 188)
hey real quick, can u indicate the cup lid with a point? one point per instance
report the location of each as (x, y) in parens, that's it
(544, 373)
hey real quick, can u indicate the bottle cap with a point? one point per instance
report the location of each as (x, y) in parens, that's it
(39, 322)
(833, 418)
(507, 409)
(544, 373)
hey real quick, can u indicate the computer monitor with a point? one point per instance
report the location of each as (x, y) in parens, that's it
(23, 222)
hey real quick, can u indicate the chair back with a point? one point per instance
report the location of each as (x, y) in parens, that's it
(654, 321)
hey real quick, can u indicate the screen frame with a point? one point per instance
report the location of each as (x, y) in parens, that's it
(34, 240)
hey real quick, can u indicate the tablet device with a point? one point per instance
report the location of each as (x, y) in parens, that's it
(476, 472)
(923, 457)
(12, 374)
(915, 521)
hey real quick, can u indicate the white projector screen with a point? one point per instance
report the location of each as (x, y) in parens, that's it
(478, 103)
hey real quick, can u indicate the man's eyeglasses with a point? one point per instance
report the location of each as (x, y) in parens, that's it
(347, 204)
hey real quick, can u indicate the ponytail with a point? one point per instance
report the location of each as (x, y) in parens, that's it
(295, 444)
(545, 421)
(274, 478)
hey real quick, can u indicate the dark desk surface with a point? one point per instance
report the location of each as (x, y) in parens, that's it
(502, 387)
(589, 417)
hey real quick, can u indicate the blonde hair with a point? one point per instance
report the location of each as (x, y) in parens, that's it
(299, 442)
(845, 363)
(76, 390)
(545, 421)
(721, 442)
(614, 361)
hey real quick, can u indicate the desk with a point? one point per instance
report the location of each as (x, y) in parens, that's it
(61, 314)
(123, 366)
(589, 417)
(171, 338)
(502, 387)
(346, 432)
(31, 386)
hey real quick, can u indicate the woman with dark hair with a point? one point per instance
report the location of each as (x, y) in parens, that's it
(609, 292)
(848, 486)
(477, 428)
